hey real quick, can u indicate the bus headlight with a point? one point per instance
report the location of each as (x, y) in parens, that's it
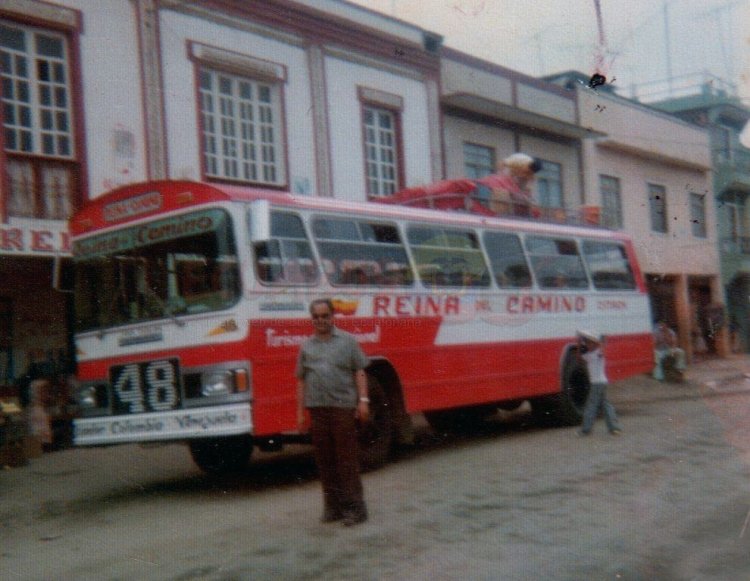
(86, 397)
(91, 397)
(217, 383)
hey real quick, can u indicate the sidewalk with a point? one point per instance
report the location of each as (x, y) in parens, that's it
(707, 378)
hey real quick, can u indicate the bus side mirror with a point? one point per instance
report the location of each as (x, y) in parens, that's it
(260, 221)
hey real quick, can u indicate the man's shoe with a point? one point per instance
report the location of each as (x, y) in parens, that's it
(354, 518)
(582, 434)
(331, 515)
(616, 432)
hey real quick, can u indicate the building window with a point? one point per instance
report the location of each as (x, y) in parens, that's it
(609, 188)
(736, 209)
(657, 203)
(381, 150)
(479, 161)
(37, 122)
(698, 214)
(549, 185)
(242, 132)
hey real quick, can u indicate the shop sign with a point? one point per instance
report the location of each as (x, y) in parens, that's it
(34, 237)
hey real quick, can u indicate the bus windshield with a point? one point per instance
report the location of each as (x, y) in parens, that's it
(180, 265)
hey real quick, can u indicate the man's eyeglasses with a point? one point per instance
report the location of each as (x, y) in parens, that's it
(326, 316)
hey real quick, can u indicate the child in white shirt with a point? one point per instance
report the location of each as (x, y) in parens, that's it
(591, 351)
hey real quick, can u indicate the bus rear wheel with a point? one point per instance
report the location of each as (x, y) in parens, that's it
(225, 455)
(375, 436)
(566, 407)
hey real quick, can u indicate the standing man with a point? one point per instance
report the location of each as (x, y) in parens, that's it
(332, 385)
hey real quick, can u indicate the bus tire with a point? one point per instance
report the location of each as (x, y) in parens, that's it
(375, 436)
(566, 407)
(219, 456)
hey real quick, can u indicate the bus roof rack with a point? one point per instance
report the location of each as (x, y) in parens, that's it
(473, 197)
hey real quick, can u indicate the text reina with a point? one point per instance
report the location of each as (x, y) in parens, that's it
(439, 306)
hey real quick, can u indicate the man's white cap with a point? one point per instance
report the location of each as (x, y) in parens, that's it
(589, 335)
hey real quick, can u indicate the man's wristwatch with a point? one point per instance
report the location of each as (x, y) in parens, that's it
(364, 399)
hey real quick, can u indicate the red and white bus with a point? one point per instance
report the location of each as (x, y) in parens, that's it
(191, 301)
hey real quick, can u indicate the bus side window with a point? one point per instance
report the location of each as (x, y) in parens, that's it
(556, 263)
(363, 251)
(507, 258)
(448, 257)
(609, 266)
(287, 258)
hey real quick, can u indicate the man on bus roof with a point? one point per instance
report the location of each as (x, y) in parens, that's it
(511, 185)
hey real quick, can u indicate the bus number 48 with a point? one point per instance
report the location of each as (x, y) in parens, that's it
(149, 386)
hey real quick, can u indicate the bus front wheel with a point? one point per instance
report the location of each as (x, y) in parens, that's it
(225, 455)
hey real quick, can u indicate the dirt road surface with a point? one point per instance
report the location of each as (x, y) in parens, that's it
(667, 500)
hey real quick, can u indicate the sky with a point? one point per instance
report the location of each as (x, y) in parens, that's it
(640, 44)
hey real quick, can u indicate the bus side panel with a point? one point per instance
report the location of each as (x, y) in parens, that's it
(275, 344)
(629, 355)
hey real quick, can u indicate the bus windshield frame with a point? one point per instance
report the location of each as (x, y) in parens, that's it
(185, 264)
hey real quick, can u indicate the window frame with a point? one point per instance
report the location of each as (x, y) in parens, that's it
(657, 205)
(611, 200)
(375, 100)
(470, 168)
(239, 67)
(698, 213)
(44, 195)
(550, 173)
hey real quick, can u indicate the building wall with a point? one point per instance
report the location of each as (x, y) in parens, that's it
(113, 107)
(642, 146)
(458, 131)
(181, 103)
(344, 78)
(343, 75)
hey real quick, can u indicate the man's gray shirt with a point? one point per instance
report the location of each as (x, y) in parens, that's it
(327, 368)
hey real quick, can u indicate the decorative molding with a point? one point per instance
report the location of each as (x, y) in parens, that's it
(255, 67)
(434, 128)
(153, 94)
(378, 97)
(372, 62)
(50, 13)
(321, 127)
(229, 21)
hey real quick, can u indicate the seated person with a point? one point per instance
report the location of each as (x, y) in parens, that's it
(665, 345)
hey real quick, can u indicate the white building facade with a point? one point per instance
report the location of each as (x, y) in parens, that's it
(314, 97)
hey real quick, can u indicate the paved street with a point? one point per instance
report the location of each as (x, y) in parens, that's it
(669, 499)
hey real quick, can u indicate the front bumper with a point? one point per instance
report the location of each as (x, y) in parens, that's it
(226, 420)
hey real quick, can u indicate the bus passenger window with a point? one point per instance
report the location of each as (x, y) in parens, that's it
(287, 259)
(556, 263)
(507, 259)
(609, 266)
(448, 257)
(367, 253)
